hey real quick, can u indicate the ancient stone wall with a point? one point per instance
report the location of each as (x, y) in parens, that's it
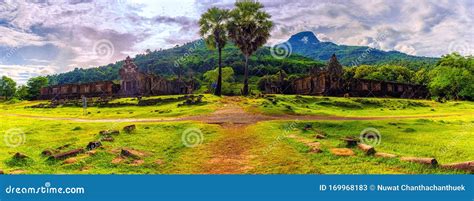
(330, 82)
(75, 91)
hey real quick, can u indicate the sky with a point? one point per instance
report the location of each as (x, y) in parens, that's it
(42, 37)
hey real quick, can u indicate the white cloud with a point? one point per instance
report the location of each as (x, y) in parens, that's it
(21, 73)
(425, 27)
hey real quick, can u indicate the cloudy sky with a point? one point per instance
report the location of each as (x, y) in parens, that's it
(40, 37)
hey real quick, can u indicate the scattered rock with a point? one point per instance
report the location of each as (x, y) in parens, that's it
(385, 155)
(108, 139)
(351, 142)
(315, 147)
(425, 161)
(109, 132)
(465, 166)
(92, 152)
(64, 155)
(117, 160)
(137, 162)
(369, 150)
(131, 153)
(47, 152)
(129, 129)
(19, 156)
(320, 136)
(70, 161)
(342, 152)
(1, 172)
(93, 145)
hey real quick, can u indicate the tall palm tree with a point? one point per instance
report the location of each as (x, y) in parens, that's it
(249, 28)
(213, 28)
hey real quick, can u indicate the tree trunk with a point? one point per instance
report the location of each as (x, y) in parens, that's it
(218, 91)
(245, 90)
(369, 150)
(426, 161)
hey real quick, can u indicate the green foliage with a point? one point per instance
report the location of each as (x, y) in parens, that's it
(249, 28)
(34, 86)
(227, 77)
(22, 92)
(213, 28)
(7, 87)
(384, 73)
(453, 77)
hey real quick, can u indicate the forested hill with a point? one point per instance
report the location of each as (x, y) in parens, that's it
(194, 58)
(191, 58)
(307, 44)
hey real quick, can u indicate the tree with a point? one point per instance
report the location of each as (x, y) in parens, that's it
(453, 77)
(7, 87)
(22, 92)
(34, 86)
(227, 75)
(249, 28)
(213, 28)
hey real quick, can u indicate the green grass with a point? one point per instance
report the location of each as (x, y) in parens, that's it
(160, 141)
(167, 109)
(447, 141)
(428, 134)
(311, 105)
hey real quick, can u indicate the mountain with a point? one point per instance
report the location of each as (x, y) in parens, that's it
(307, 44)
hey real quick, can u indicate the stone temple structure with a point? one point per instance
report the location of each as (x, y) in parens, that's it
(136, 83)
(133, 83)
(330, 82)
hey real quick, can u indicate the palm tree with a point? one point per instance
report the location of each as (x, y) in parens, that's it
(249, 28)
(213, 28)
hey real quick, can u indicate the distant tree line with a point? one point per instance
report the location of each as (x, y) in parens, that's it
(30, 91)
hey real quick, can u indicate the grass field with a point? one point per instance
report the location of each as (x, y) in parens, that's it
(440, 130)
(310, 105)
(129, 110)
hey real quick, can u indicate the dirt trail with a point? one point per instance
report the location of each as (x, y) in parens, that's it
(230, 154)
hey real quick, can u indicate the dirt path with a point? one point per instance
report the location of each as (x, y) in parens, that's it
(230, 154)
